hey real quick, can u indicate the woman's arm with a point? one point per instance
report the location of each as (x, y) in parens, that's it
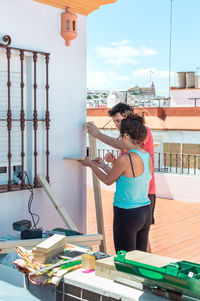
(112, 176)
(101, 164)
(95, 132)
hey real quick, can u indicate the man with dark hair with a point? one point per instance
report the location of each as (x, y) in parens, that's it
(117, 115)
(119, 108)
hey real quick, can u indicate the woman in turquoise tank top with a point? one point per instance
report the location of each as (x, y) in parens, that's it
(132, 173)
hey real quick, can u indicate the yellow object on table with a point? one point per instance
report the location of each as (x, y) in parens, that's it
(88, 261)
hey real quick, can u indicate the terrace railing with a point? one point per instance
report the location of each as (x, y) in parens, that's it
(176, 163)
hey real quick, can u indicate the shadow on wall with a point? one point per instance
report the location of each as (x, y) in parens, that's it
(163, 189)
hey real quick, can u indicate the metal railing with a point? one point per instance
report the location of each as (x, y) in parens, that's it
(23, 119)
(176, 163)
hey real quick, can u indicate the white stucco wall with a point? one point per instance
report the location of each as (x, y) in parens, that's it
(180, 97)
(178, 187)
(35, 26)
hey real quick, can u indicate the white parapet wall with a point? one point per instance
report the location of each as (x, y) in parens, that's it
(182, 97)
(178, 187)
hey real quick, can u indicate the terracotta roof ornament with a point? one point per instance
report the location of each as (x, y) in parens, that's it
(68, 26)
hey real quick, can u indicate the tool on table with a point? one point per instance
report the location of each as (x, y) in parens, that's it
(182, 277)
(58, 264)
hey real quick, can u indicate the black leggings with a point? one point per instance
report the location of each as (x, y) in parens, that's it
(131, 228)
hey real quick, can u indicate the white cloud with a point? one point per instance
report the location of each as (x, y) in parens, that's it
(120, 53)
(104, 79)
(145, 51)
(141, 73)
(123, 42)
(122, 61)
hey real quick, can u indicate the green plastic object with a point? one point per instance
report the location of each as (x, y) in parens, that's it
(182, 276)
(67, 232)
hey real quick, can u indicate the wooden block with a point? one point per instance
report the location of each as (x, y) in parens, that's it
(88, 261)
(44, 258)
(51, 243)
(41, 253)
(97, 196)
(106, 267)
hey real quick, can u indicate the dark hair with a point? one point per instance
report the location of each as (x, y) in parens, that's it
(133, 125)
(120, 108)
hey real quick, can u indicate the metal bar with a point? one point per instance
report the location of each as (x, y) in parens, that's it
(165, 160)
(9, 118)
(35, 119)
(176, 163)
(18, 119)
(195, 164)
(170, 162)
(159, 161)
(22, 117)
(182, 162)
(47, 116)
(7, 40)
(188, 164)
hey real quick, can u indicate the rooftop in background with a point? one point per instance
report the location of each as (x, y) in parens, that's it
(143, 91)
(182, 118)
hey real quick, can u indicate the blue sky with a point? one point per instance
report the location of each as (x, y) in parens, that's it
(128, 43)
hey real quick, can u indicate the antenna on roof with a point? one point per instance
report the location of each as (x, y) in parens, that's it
(170, 44)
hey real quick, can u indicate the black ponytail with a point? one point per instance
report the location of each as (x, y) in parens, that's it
(133, 125)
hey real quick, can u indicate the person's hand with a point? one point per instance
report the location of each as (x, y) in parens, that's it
(92, 129)
(110, 158)
(85, 162)
(99, 162)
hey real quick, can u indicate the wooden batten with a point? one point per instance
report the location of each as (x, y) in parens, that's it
(56, 202)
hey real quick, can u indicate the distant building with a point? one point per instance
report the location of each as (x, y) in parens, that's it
(143, 91)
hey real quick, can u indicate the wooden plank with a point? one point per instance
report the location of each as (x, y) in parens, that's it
(51, 243)
(106, 267)
(77, 158)
(79, 240)
(97, 196)
(56, 202)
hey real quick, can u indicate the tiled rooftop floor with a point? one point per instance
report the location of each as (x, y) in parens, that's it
(176, 232)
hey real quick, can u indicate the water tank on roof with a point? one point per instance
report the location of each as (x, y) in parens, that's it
(181, 80)
(197, 81)
(190, 79)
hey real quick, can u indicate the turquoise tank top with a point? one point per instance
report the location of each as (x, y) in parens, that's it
(133, 192)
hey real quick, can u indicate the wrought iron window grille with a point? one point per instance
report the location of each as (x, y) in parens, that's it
(10, 120)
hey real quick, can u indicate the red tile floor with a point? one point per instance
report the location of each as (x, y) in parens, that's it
(176, 232)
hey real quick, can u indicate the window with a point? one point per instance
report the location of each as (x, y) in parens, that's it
(24, 114)
(74, 25)
(67, 24)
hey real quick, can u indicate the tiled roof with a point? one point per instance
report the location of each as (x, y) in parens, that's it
(82, 7)
(175, 233)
